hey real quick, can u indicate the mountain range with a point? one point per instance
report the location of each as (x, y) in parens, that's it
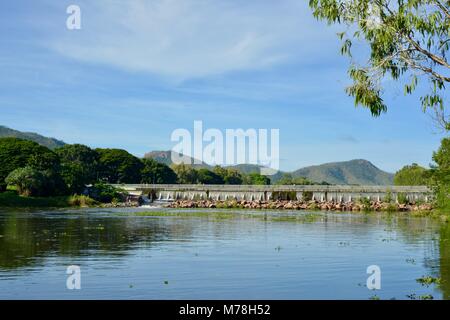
(352, 172)
(358, 171)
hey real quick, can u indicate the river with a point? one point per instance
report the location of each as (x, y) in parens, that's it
(220, 254)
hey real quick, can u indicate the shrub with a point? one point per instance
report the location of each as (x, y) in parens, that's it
(388, 197)
(106, 193)
(81, 201)
(366, 203)
(402, 198)
(307, 195)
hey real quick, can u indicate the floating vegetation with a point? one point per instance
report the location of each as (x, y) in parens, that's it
(374, 297)
(301, 217)
(429, 280)
(413, 296)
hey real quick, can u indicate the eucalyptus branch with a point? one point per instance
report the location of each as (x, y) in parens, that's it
(435, 58)
(443, 8)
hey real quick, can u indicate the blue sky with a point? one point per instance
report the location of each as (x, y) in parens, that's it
(137, 70)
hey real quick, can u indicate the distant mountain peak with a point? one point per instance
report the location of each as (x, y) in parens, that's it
(356, 171)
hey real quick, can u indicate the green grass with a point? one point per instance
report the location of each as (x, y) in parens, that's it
(11, 199)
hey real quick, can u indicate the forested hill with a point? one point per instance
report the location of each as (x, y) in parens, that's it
(357, 171)
(50, 143)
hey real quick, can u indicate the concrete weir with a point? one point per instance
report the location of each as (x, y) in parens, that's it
(334, 193)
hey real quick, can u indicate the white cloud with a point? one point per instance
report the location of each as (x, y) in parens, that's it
(185, 39)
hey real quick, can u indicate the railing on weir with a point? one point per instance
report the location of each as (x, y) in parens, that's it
(277, 188)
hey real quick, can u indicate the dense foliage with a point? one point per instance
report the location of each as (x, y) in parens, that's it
(155, 172)
(189, 175)
(256, 179)
(441, 174)
(103, 192)
(287, 179)
(79, 166)
(185, 174)
(205, 176)
(119, 166)
(412, 175)
(17, 153)
(34, 170)
(229, 176)
(408, 41)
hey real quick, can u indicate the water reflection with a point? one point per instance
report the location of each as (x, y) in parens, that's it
(25, 238)
(247, 253)
(444, 249)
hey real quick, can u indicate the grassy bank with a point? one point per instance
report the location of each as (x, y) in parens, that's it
(10, 199)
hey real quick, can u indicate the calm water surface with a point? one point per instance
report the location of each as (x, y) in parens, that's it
(176, 254)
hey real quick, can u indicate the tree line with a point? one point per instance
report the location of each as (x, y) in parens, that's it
(437, 177)
(34, 170)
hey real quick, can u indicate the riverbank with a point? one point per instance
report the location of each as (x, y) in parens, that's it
(10, 199)
(364, 205)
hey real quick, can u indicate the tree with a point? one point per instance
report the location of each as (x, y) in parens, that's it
(229, 176)
(407, 39)
(28, 181)
(106, 193)
(155, 172)
(79, 166)
(205, 176)
(288, 179)
(441, 169)
(185, 174)
(119, 166)
(17, 153)
(440, 174)
(413, 175)
(256, 179)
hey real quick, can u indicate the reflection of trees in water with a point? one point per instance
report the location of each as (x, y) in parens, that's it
(26, 239)
(437, 255)
(444, 247)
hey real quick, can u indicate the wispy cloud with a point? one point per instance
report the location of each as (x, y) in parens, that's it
(192, 38)
(348, 138)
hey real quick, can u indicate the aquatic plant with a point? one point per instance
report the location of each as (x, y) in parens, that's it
(428, 280)
(81, 201)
